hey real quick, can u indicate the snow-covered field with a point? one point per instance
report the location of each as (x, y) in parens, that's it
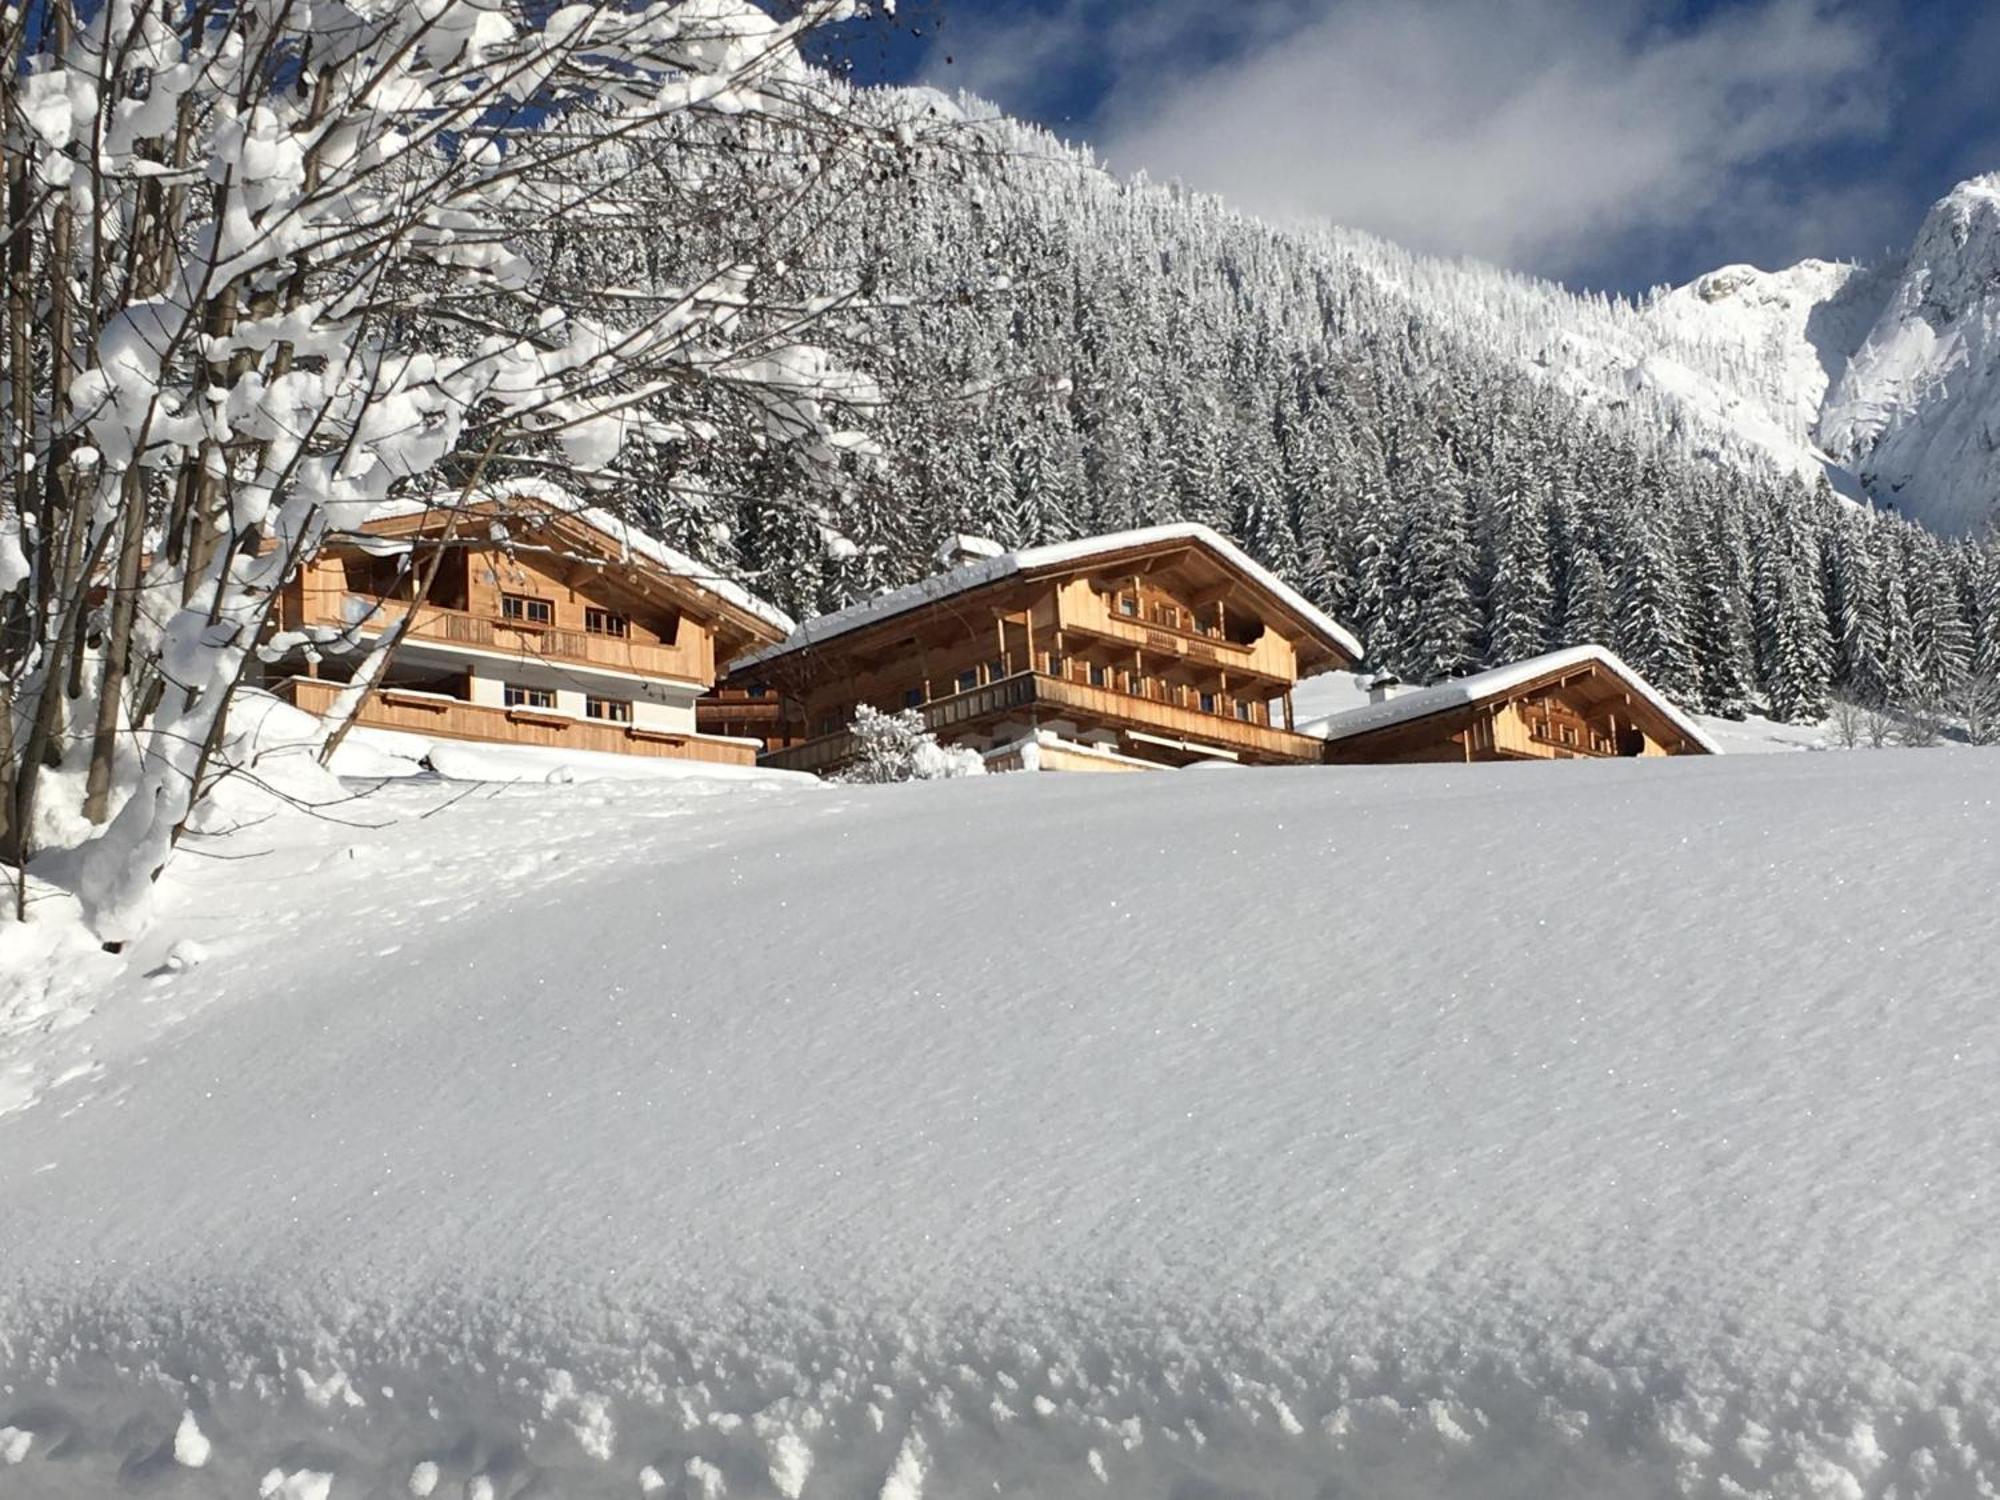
(1600, 1129)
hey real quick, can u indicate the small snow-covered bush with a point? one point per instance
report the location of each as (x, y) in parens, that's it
(897, 747)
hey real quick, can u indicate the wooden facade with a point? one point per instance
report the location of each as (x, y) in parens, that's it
(1573, 705)
(543, 625)
(1147, 649)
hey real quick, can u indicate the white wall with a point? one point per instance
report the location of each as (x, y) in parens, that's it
(669, 712)
(654, 705)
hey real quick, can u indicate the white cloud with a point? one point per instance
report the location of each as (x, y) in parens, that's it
(1550, 134)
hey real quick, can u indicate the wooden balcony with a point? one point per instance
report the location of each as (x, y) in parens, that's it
(1091, 707)
(438, 717)
(1085, 612)
(457, 627)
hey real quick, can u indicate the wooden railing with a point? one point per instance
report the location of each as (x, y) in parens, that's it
(1170, 719)
(460, 627)
(1269, 658)
(1165, 640)
(438, 717)
(1103, 707)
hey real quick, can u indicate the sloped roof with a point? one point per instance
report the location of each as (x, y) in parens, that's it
(1031, 560)
(1481, 687)
(529, 497)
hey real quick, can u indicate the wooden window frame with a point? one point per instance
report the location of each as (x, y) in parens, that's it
(522, 620)
(592, 702)
(598, 620)
(530, 697)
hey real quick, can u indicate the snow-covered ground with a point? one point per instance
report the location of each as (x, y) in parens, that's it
(1599, 1129)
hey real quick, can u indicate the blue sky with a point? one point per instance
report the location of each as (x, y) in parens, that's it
(1609, 143)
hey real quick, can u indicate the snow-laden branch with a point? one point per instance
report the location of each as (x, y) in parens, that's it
(273, 265)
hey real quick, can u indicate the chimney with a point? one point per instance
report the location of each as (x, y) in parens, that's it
(960, 551)
(1383, 686)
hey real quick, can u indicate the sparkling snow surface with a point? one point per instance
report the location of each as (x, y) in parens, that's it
(1598, 1129)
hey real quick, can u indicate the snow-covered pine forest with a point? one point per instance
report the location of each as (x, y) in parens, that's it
(1442, 454)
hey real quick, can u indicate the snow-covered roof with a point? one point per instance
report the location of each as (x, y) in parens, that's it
(978, 574)
(637, 543)
(1463, 692)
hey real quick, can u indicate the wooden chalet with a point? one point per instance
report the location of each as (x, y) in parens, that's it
(1160, 647)
(1577, 704)
(546, 623)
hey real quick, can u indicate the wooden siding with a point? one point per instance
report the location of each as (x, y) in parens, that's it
(1585, 714)
(1169, 640)
(1093, 707)
(732, 711)
(437, 717)
(690, 659)
(1083, 607)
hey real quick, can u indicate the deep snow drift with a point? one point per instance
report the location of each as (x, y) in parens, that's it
(1608, 1129)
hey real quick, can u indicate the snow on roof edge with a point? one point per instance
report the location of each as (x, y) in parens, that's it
(972, 575)
(1461, 692)
(631, 538)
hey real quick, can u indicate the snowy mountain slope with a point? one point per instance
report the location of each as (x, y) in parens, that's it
(1808, 319)
(1736, 363)
(1332, 1132)
(1885, 376)
(1918, 409)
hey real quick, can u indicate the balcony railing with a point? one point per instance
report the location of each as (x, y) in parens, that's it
(459, 627)
(1098, 707)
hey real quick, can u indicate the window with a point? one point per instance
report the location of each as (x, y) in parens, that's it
(606, 622)
(376, 577)
(758, 690)
(913, 697)
(996, 669)
(968, 679)
(1097, 675)
(1242, 710)
(1208, 703)
(525, 609)
(610, 710)
(1127, 605)
(1056, 665)
(517, 696)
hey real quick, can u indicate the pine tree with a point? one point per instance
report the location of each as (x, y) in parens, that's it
(1521, 596)
(1797, 651)
(1718, 635)
(1651, 627)
(1854, 604)
(1431, 618)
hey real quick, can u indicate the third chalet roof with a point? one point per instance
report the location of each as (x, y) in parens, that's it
(1497, 682)
(1058, 557)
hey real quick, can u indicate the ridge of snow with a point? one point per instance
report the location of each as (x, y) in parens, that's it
(1462, 692)
(985, 570)
(1805, 321)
